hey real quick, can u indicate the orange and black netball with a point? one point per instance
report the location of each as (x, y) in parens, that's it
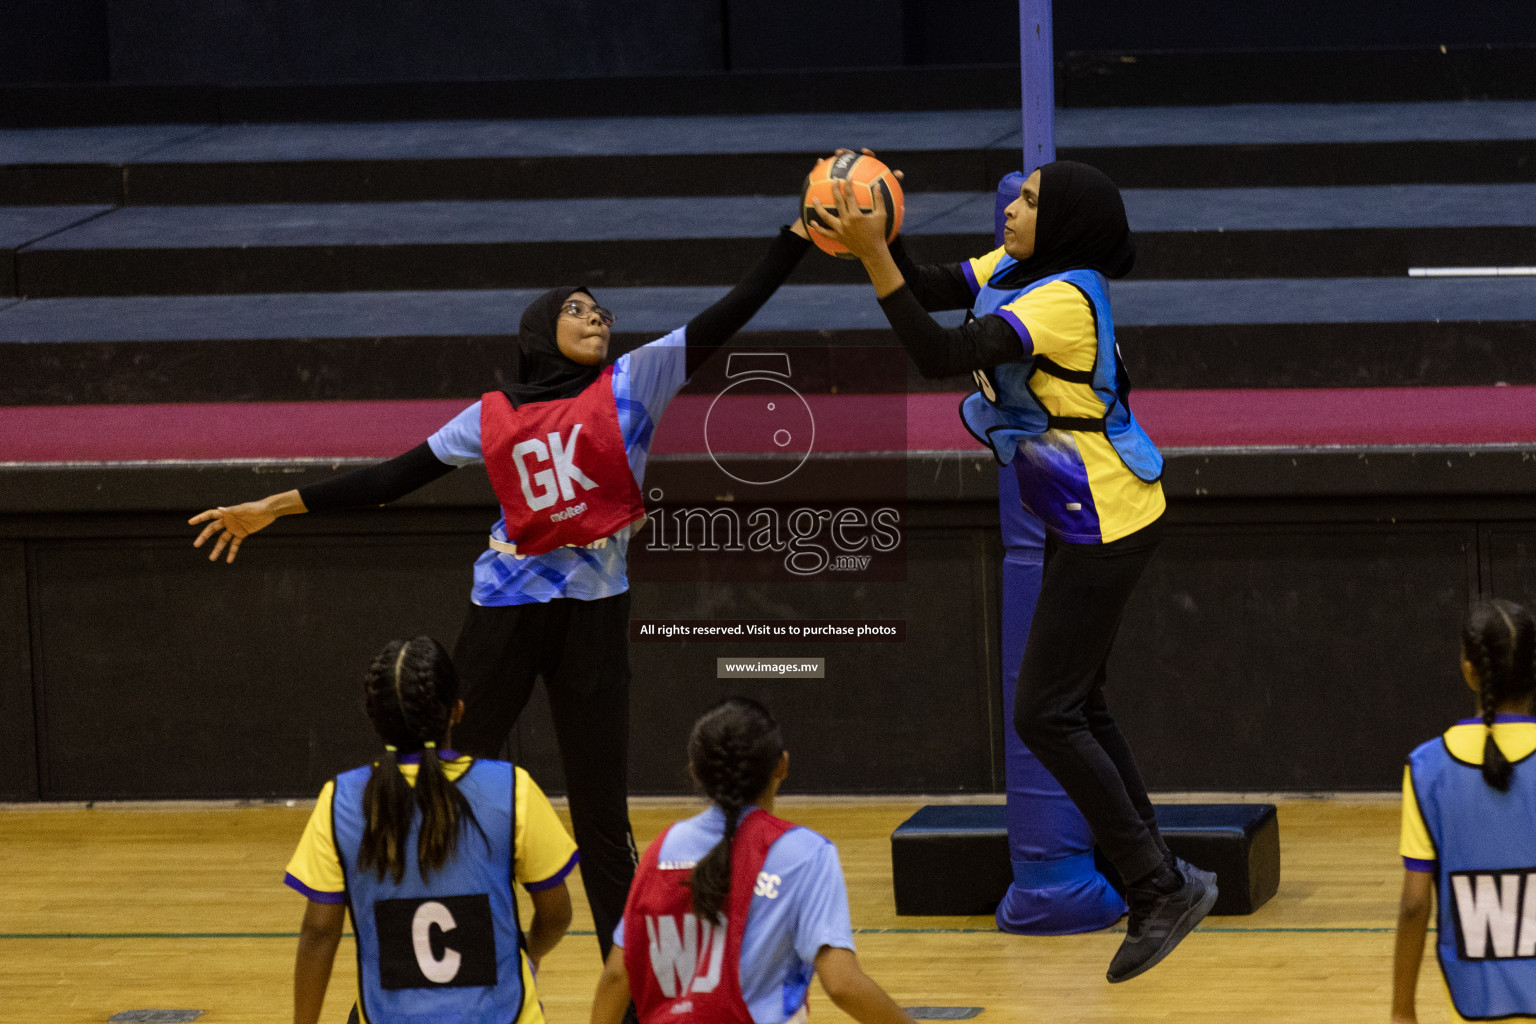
(867, 175)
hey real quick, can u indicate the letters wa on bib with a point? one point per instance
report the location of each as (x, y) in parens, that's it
(1480, 843)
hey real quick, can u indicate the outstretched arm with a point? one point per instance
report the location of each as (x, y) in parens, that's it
(371, 485)
(936, 285)
(715, 326)
(938, 351)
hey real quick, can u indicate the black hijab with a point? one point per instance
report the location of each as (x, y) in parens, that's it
(1081, 224)
(539, 371)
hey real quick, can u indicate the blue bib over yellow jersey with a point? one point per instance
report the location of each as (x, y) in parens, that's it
(1485, 844)
(1010, 417)
(446, 950)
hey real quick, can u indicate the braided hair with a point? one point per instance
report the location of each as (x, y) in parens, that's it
(409, 694)
(733, 751)
(1498, 639)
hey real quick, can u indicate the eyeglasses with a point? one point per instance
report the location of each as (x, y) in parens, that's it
(580, 310)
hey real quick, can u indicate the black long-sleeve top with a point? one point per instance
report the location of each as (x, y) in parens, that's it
(393, 479)
(940, 351)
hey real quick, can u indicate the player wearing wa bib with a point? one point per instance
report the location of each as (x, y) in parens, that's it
(449, 948)
(787, 900)
(1480, 845)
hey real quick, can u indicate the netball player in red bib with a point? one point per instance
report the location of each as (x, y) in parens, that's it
(565, 443)
(733, 910)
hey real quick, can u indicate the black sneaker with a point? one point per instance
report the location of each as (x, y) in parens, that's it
(1159, 921)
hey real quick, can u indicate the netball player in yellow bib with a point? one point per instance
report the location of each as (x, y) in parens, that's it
(1053, 404)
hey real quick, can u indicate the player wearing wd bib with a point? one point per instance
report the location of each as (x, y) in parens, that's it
(566, 442)
(1053, 404)
(436, 920)
(733, 911)
(1469, 833)
(685, 969)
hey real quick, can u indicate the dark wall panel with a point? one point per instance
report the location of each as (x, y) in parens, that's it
(18, 744)
(814, 34)
(1511, 563)
(165, 676)
(962, 32)
(1284, 658)
(409, 40)
(889, 717)
(53, 41)
(1288, 24)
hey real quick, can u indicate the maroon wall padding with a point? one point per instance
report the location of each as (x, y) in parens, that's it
(1175, 419)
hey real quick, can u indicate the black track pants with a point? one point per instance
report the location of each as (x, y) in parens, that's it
(581, 650)
(1059, 709)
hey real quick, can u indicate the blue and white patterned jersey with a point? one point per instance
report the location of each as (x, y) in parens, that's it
(799, 906)
(644, 381)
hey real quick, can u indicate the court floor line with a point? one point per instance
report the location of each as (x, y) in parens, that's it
(56, 936)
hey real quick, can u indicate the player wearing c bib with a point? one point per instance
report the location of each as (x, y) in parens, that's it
(565, 442)
(422, 847)
(1054, 405)
(1469, 833)
(732, 911)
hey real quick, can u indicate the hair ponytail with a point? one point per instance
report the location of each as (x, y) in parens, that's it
(732, 751)
(409, 694)
(1499, 641)
(387, 807)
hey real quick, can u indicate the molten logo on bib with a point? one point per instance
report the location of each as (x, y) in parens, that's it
(686, 954)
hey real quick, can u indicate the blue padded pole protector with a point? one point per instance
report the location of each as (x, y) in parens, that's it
(1056, 888)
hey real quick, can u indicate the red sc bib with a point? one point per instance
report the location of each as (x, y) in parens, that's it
(683, 970)
(559, 469)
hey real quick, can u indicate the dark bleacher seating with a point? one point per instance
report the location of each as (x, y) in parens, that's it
(1348, 449)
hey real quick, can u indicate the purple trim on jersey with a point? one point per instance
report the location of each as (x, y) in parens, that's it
(1023, 332)
(1498, 719)
(970, 277)
(1423, 867)
(313, 895)
(556, 878)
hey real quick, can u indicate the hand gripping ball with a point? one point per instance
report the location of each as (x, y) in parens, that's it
(867, 174)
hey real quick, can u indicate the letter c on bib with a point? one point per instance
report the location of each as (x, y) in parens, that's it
(441, 971)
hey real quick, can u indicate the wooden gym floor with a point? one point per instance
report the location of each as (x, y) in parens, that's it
(177, 906)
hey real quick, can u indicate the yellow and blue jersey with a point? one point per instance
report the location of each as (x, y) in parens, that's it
(1093, 496)
(1480, 844)
(543, 854)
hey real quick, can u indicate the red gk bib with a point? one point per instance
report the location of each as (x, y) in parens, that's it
(683, 970)
(559, 468)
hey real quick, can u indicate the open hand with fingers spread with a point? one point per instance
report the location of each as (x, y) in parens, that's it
(864, 233)
(233, 524)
